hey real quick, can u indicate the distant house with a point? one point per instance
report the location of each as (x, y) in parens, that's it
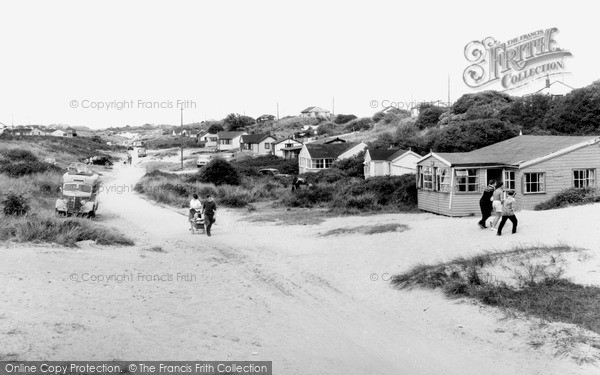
(38, 131)
(21, 131)
(229, 141)
(70, 132)
(261, 144)
(554, 89)
(315, 112)
(317, 156)
(179, 132)
(287, 148)
(392, 162)
(536, 167)
(210, 139)
(265, 118)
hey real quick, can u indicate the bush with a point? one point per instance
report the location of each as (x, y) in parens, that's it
(352, 167)
(568, 197)
(364, 123)
(310, 197)
(15, 205)
(219, 171)
(378, 116)
(342, 119)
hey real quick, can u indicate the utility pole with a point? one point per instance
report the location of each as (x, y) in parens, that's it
(182, 138)
(449, 114)
(277, 111)
(333, 106)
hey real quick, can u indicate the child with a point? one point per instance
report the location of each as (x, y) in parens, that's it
(508, 212)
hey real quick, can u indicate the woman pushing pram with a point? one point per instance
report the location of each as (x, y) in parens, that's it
(195, 215)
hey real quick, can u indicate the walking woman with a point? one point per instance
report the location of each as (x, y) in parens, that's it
(497, 205)
(485, 203)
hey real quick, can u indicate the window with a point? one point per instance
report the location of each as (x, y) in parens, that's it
(467, 180)
(267, 146)
(426, 178)
(534, 182)
(442, 180)
(584, 178)
(225, 141)
(509, 180)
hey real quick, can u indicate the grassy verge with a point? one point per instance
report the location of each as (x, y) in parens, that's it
(528, 280)
(64, 231)
(175, 190)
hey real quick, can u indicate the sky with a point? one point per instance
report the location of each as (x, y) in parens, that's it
(116, 63)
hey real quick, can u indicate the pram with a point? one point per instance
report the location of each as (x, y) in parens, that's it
(197, 223)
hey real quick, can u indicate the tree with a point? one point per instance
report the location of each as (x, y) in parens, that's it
(471, 135)
(342, 119)
(494, 98)
(352, 167)
(528, 112)
(326, 128)
(235, 121)
(429, 116)
(218, 171)
(215, 128)
(578, 112)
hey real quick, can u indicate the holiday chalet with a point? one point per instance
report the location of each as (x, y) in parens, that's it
(536, 167)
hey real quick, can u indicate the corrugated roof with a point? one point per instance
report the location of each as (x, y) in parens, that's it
(330, 151)
(229, 135)
(255, 138)
(516, 150)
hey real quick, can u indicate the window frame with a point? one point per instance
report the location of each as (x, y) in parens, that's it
(586, 179)
(540, 180)
(474, 183)
(509, 184)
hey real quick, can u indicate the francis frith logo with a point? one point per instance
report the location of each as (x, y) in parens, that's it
(516, 62)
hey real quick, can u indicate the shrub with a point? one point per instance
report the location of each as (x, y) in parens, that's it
(378, 116)
(219, 171)
(310, 197)
(15, 205)
(342, 119)
(19, 155)
(364, 123)
(352, 167)
(567, 197)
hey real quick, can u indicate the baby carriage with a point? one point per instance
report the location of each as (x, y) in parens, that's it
(197, 223)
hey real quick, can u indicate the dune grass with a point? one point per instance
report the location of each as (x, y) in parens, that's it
(538, 289)
(47, 228)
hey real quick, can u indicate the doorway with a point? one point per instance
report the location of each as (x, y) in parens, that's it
(494, 174)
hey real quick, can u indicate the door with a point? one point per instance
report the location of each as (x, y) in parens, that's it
(494, 174)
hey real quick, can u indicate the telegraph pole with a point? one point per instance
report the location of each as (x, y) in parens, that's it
(181, 137)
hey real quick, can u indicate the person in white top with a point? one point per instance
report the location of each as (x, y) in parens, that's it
(195, 207)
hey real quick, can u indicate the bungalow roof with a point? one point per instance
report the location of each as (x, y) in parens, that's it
(328, 151)
(255, 138)
(229, 135)
(515, 151)
(382, 155)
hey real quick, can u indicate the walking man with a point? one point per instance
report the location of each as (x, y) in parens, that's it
(485, 203)
(209, 210)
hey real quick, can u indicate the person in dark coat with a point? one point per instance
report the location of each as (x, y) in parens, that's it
(485, 203)
(209, 210)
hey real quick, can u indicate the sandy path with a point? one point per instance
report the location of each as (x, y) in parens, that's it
(266, 292)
